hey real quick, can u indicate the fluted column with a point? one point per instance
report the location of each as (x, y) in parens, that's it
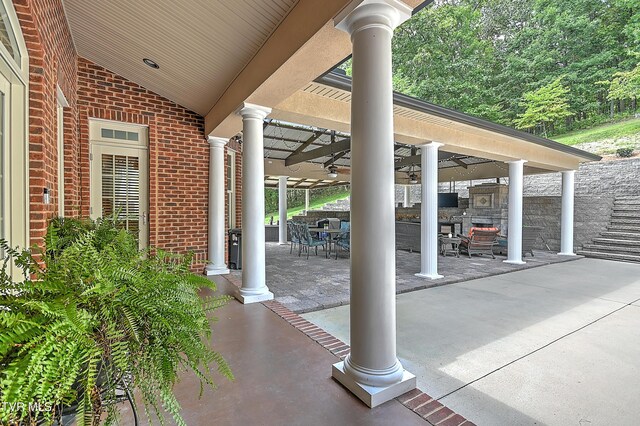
(216, 235)
(429, 212)
(566, 224)
(282, 209)
(254, 287)
(372, 370)
(514, 233)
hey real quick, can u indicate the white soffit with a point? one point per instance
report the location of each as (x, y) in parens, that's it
(200, 45)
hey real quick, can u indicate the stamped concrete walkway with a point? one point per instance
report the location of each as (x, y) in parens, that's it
(306, 285)
(556, 345)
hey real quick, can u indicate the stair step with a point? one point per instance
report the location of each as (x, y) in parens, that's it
(621, 235)
(627, 208)
(627, 203)
(616, 242)
(612, 249)
(625, 221)
(625, 214)
(624, 228)
(628, 197)
(610, 256)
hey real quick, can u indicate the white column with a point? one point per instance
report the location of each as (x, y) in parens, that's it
(254, 287)
(429, 212)
(217, 265)
(514, 232)
(566, 224)
(282, 208)
(406, 202)
(372, 370)
(306, 201)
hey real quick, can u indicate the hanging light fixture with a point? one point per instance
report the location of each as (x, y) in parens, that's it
(333, 172)
(413, 177)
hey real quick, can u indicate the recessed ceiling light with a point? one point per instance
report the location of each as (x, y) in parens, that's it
(151, 63)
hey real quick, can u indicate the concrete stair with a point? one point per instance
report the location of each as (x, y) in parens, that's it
(342, 205)
(621, 240)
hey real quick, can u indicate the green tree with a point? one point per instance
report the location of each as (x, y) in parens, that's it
(544, 107)
(625, 85)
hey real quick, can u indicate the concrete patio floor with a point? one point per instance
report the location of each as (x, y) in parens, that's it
(282, 377)
(306, 285)
(555, 345)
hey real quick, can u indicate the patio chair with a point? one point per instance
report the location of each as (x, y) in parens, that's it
(295, 236)
(343, 241)
(480, 242)
(308, 241)
(530, 235)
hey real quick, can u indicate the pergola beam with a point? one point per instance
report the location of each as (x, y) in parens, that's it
(306, 143)
(459, 162)
(297, 184)
(334, 159)
(327, 150)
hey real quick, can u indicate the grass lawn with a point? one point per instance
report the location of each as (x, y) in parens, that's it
(606, 131)
(314, 204)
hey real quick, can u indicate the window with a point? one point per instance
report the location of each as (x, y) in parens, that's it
(231, 187)
(62, 103)
(14, 77)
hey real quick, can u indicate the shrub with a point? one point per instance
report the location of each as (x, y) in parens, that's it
(625, 152)
(95, 316)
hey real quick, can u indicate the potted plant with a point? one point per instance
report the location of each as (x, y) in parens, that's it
(94, 319)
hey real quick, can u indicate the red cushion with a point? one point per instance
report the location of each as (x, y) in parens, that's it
(474, 228)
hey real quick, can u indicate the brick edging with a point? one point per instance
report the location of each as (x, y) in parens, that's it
(417, 401)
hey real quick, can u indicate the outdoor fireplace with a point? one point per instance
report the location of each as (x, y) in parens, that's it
(488, 207)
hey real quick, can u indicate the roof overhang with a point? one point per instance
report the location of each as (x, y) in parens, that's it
(326, 103)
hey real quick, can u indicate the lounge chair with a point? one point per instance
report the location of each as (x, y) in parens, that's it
(480, 242)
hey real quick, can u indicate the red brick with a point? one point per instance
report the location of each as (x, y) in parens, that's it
(428, 408)
(409, 395)
(439, 415)
(456, 420)
(418, 401)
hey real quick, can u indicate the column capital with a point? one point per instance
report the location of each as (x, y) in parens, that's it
(215, 141)
(516, 161)
(247, 110)
(568, 172)
(431, 144)
(359, 15)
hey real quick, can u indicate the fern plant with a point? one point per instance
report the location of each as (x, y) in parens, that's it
(95, 317)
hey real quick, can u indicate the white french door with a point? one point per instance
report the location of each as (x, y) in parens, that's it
(120, 176)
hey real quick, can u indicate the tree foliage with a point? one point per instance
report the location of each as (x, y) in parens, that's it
(482, 56)
(544, 106)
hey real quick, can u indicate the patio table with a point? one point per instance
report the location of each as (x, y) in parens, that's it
(449, 246)
(329, 233)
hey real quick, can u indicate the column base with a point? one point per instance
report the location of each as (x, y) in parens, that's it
(252, 298)
(429, 276)
(216, 270)
(514, 262)
(373, 395)
(566, 254)
(283, 244)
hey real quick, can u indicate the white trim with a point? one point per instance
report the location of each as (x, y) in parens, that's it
(16, 190)
(62, 100)
(60, 143)
(105, 120)
(231, 193)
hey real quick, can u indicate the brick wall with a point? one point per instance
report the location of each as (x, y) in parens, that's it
(178, 155)
(178, 150)
(52, 62)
